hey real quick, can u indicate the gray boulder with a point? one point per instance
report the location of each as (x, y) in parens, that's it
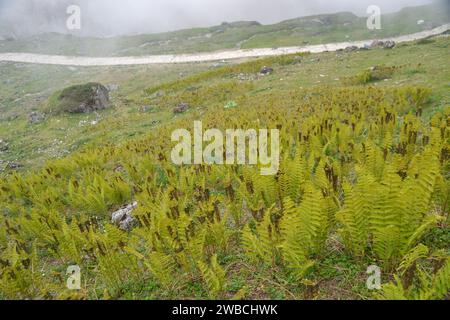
(13, 166)
(36, 117)
(181, 108)
(4, 146)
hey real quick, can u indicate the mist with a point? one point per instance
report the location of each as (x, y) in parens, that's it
(118, 17)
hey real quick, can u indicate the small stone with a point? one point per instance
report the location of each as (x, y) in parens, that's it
(376, 44)
(36, 117)
(181, 108)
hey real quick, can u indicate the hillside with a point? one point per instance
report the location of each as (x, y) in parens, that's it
(317, 29)
(363, 179)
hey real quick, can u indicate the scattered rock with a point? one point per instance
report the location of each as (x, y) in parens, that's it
(351, 49)
(123, 218)
(266, 70)
(36, 117)
(4, 146)
(389, 44)
(13, 166)
(181, 108)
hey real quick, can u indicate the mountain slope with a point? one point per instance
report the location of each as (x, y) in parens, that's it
(317, 29)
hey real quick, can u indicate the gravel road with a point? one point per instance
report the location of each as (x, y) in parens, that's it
(201, 57)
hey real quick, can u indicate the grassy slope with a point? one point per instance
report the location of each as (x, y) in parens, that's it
(313, 30)
(422, 65)
(340, 276)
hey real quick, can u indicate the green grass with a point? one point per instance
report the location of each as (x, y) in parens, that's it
(127, 137)
(424, 65)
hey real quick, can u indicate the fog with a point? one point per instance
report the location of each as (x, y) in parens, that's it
(117, 17)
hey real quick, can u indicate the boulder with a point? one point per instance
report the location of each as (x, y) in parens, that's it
(13, 166)
(389, 44)
(112, 87)
(85, 98)
(181, 108)
(123, 217)
(351, 49)
(36, 117)
(266, 70)
(377, 44)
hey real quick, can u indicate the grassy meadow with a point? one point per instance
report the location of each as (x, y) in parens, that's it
(363, 180)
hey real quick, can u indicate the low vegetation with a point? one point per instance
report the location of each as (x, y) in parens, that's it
(363, 180)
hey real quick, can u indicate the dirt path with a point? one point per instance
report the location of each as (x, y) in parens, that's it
(200, 57)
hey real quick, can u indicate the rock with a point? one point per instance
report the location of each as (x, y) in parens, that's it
(376, 44)
(266, 70)
(84, 98)
(389, 44)
(112, 87)
(123, 218)
(4, 146)
(181, 108)
(158, 94)
(13, 166)
(351, 49)
(36, 117)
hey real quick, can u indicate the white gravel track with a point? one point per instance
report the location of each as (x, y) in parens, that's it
(200, 57)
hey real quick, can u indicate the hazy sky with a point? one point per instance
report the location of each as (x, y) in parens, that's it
(110, 17)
